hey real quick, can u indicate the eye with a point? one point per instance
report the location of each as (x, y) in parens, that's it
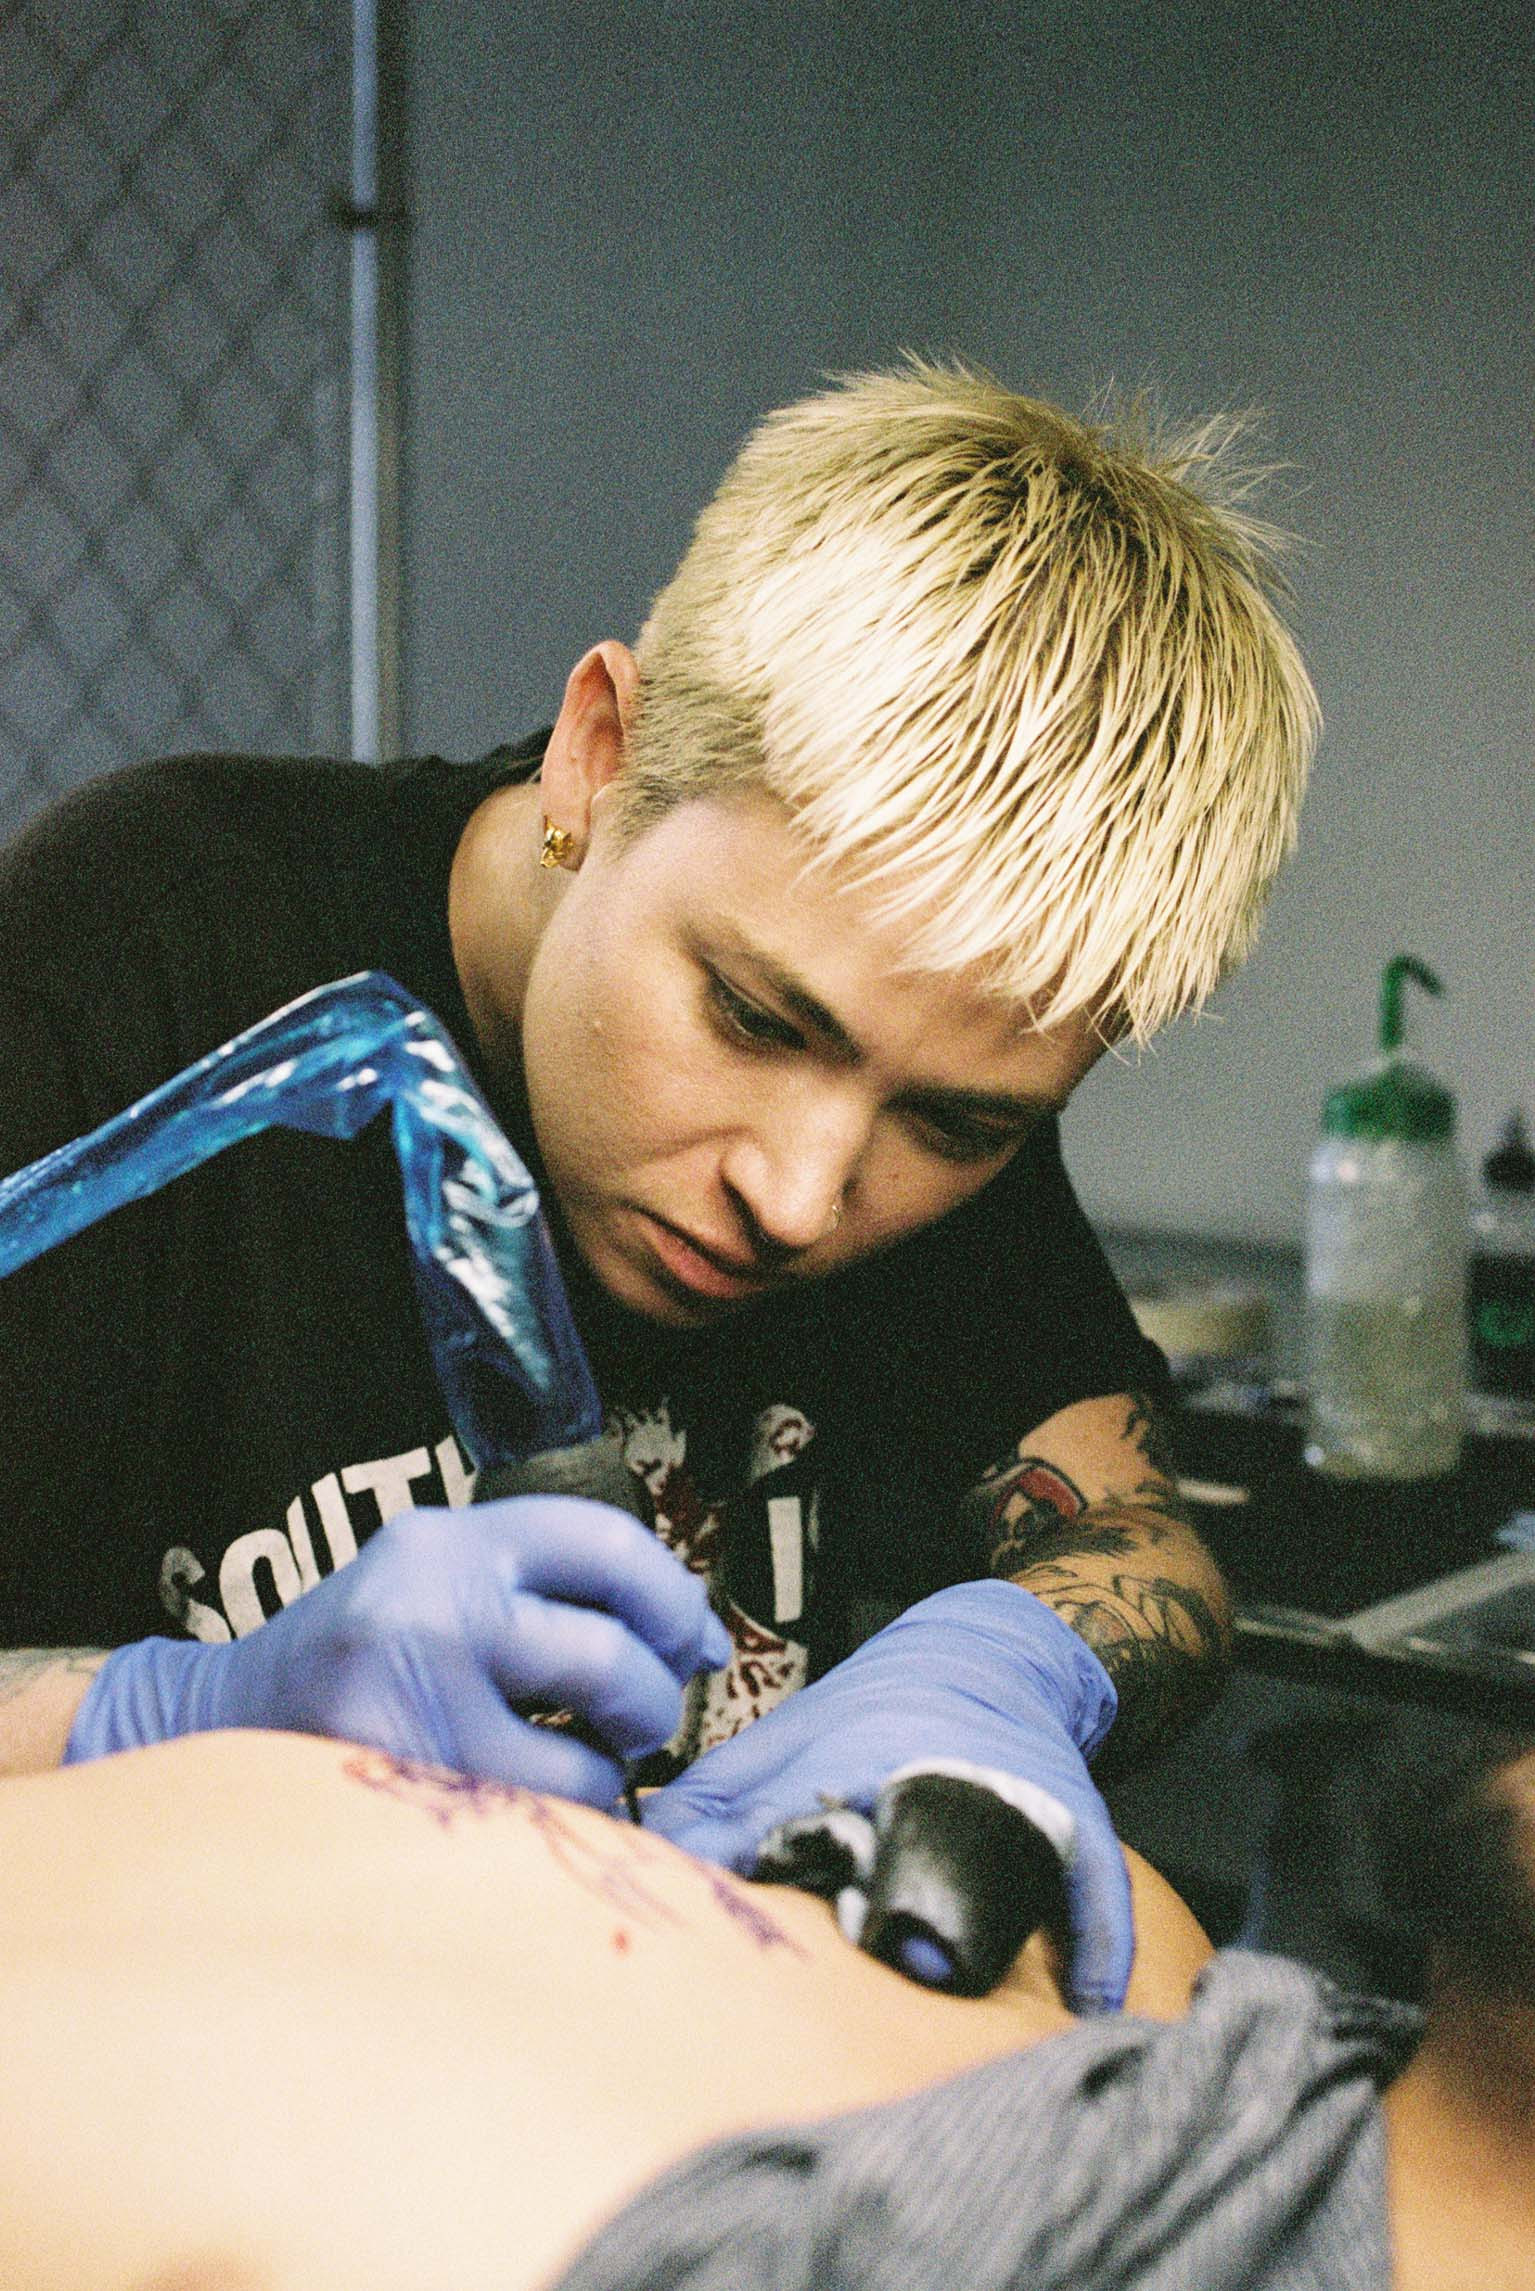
(740, 1019)
(952, 1138)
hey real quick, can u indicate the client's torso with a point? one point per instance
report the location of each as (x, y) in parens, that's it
(276, 2004)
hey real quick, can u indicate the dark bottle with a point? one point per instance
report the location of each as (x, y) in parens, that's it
(1501, 1289)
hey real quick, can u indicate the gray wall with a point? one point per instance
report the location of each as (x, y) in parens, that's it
(635, 229)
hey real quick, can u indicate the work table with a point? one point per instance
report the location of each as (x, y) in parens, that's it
(1312, 1560)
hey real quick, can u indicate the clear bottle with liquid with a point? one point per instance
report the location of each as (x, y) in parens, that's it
(1502, 1288)
(1386, 1268)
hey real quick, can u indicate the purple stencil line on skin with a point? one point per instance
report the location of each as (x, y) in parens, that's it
(739, 1905)
(446, 1798)
(436, 1790)
(605, 1870)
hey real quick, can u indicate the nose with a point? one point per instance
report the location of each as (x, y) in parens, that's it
(788, 1173)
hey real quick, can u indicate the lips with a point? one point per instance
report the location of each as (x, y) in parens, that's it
(701, 1269)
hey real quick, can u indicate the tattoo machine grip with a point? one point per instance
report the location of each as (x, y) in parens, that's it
(504, 1345)
(594, 1469)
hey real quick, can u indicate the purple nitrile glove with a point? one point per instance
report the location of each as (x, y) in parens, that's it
(424, 1642)
(982, 1673)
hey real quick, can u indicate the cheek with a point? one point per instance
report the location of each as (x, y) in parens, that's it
(901, 1189)
(613, 1069)
(565, 1048)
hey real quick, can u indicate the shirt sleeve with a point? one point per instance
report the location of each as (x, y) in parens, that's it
(1240, 2149)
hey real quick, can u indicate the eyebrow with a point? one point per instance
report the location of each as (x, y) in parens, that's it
(1000, 1106)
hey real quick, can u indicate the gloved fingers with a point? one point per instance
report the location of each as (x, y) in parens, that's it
(997, 1642)
(719, 1824)
(434, 1703)
(138, 1696)
(544, 1652)
(1101, 1915)
(789, 1765)
(727, 1841)
(729, 1800)
(593, 1555)
(561, 1765)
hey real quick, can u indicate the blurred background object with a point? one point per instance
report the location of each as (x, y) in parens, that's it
(196, 405)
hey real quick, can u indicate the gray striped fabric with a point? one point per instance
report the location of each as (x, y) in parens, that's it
(1238, 2150)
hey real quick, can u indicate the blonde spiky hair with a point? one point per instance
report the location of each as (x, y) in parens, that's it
(1016, 674)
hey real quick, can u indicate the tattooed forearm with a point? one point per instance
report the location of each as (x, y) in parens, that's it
(21, 1668)
(1028, 1509)
(1126, 1570)
(1147, 1430)
(1164, 1640)
(1112, 1530)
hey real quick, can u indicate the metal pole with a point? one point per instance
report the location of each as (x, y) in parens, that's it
(375, 727)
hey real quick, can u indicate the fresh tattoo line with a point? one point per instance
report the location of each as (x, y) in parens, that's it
(604, 1862)
(22, 1667)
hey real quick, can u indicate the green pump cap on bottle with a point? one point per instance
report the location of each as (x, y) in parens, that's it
(1396, 1099)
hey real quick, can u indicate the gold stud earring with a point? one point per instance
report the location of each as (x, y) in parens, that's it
(558, 848)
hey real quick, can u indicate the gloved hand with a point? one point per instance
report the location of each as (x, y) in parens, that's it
(983, 1673)
(420, 1644)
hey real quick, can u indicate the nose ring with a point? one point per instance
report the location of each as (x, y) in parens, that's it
(836, 1216)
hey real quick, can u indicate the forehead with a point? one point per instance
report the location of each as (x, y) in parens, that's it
(740, 864)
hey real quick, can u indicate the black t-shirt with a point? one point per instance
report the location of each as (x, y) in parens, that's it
(214, 1396)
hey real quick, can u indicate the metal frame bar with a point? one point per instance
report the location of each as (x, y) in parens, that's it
(376, 218)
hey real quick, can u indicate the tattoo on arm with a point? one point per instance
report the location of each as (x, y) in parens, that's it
(1031, 1510)
(1161, 1641)
(1156, 1620)
(22, 1667)
(1146, 1430)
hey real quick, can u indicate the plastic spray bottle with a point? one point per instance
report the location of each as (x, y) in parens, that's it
(1502, 1300)
(1386, 1268)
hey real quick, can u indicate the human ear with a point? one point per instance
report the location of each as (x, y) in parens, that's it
(586, 748)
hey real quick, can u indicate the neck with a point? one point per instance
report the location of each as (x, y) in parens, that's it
(493, 922)
(1460, 2128)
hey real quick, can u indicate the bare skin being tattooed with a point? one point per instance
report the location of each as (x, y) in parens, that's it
(611, 1867)
(1123, 1566)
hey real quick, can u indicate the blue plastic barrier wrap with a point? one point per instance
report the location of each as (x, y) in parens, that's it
(506, 1351)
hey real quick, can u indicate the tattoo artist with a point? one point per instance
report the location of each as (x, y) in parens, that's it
(962, 747)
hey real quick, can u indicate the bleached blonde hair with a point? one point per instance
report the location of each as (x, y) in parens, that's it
(1020, 676)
